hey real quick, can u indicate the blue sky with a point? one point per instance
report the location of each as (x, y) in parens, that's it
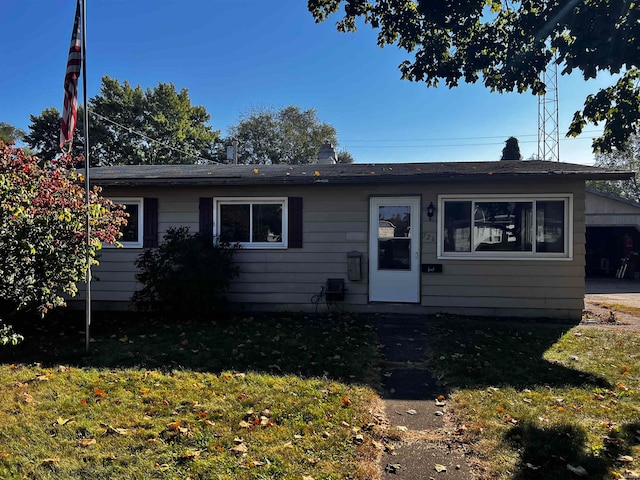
(234, 55)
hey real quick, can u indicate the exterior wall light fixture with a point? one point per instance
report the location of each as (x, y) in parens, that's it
(431, 210)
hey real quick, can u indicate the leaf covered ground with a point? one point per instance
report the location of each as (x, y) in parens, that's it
(277, 397)
(539, 401)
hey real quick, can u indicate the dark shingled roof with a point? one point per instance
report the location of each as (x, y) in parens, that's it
(356, 173)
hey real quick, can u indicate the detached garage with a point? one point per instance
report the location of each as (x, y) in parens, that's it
(612, 235)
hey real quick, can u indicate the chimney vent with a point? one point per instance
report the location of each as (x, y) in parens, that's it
(327, 154)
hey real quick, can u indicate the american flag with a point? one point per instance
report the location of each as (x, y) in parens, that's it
(74, 64)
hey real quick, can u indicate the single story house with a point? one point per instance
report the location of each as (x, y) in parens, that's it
(503, 238)
(613, 234)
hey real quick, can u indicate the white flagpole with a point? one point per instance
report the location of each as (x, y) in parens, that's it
(87, 164)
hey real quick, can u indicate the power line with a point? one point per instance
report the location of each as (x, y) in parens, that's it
(450, 145)
(152, 140)
(373, 140)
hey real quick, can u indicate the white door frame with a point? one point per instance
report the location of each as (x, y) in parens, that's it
(399, 280)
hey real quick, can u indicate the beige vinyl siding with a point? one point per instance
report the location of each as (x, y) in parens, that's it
(336, 221)
(114, 279)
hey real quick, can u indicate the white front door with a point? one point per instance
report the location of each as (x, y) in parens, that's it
(394, 249)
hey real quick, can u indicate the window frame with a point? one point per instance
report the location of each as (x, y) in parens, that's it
(533, 255)
(283, 201)
(128, 201)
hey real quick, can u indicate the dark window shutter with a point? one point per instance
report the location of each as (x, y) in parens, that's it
(295, 222)
(206, 217)
(150, 227)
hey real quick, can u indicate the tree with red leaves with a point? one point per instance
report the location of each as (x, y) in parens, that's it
(43, 245)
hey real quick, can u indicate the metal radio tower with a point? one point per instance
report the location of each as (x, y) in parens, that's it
(548, 136)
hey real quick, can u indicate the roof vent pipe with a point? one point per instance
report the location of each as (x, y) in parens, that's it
(327, 154)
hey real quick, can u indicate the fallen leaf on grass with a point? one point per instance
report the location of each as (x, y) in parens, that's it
(625, 458)
(50, 461)
(99, 393)
(85, 442)
(255, 463)
(117, 431)
(239, 449)
(191, 454)
(580, 471)
(64, 421)
(26, 398)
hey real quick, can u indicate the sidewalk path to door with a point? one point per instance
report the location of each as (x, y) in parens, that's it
(409, 394)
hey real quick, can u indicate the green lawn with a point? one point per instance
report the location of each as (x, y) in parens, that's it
(269, 397)
(537, 401)
(290, 397)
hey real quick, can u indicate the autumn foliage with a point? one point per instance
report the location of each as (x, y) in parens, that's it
(43, 242)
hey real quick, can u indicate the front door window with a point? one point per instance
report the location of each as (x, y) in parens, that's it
(394, 237)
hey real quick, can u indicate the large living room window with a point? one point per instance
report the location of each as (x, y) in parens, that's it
(252, 222)
(509, 227)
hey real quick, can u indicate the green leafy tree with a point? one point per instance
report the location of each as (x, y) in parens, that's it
(507, 44)
(511, 150)
(345, 157)
(289, 135)
(44, 134)
(626, 159)
(10, 134)
(43, 246)
(132, 126)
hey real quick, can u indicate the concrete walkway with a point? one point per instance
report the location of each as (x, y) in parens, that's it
(409, 396)
(410, 391)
